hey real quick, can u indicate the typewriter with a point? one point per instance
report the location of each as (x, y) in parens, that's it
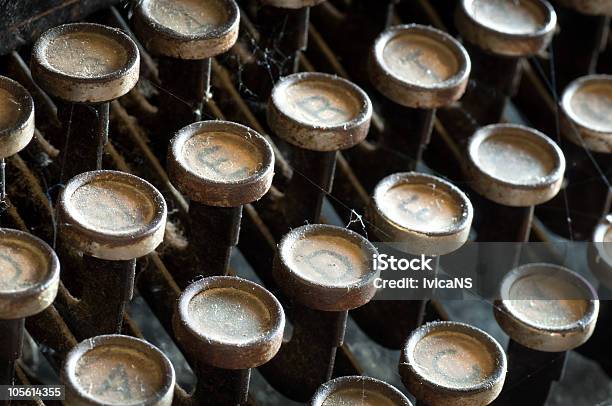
(322, 202)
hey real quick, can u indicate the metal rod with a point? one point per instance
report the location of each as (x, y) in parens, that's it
(308, 359)
(184, 86)
(285, 31)
(85, 132)
(312, 180)
(530, 375)
(3, 179)
(11, 343)
(214, 232)
(511, 225)
(108, 286)
(218, 386)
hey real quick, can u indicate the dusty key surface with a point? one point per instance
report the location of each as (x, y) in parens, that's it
(29, 274)
(16, 117)
(452, 363)
(112, 215)
(514, 165)
(117, 370)
(507, 27)
(430, 214)
(221, 163)
(187, 29)
(358, 390)
(326, 267)
(85, 62)
(229, 323)
(546, 307)
(419, 66)
(587, 108)
(319, 112)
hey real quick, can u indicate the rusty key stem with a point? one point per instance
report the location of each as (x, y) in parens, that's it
(11, 343)
(221, 387)
(214, 233)
(185, 85)
(286, 31)
(307, 360)
(108, 287)
(312, 179)
(540, 368)
(85, 132)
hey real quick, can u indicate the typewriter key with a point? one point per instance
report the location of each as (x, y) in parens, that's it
(514, 165)
(513, 168)
(29, 278)
(420, 68)
(185, 35)
(85, 66)
(546, 310)
(430, 215)
(507, 27)
(318, 114)
(325, 271)
(220, 166)
(498, 33)
(112, 218)
(587, 108)
(418, 214)
(117, 370)
(227, 325)
(16, 123)
(358, 390)
(451, 363)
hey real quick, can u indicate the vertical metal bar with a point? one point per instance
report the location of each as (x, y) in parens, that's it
(108, 288)
(530, 375)
(3, 179)
(312, 179)
(218, 386)
(214, 232)
(85, 132)
(11, 342)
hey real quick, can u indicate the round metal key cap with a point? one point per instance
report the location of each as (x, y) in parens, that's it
(326, 268)
(507, 27)
(319, 112)
(546, 307)
(429, 214)
(419, 67)
(220, 163)
(29, 275)
(229, 322)
(187, 29)
(85, 63)
(587, 108)
(358, 390)
(16, 117)
(515, 165)
(117, 370)
(452, 364)
(112, 215)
